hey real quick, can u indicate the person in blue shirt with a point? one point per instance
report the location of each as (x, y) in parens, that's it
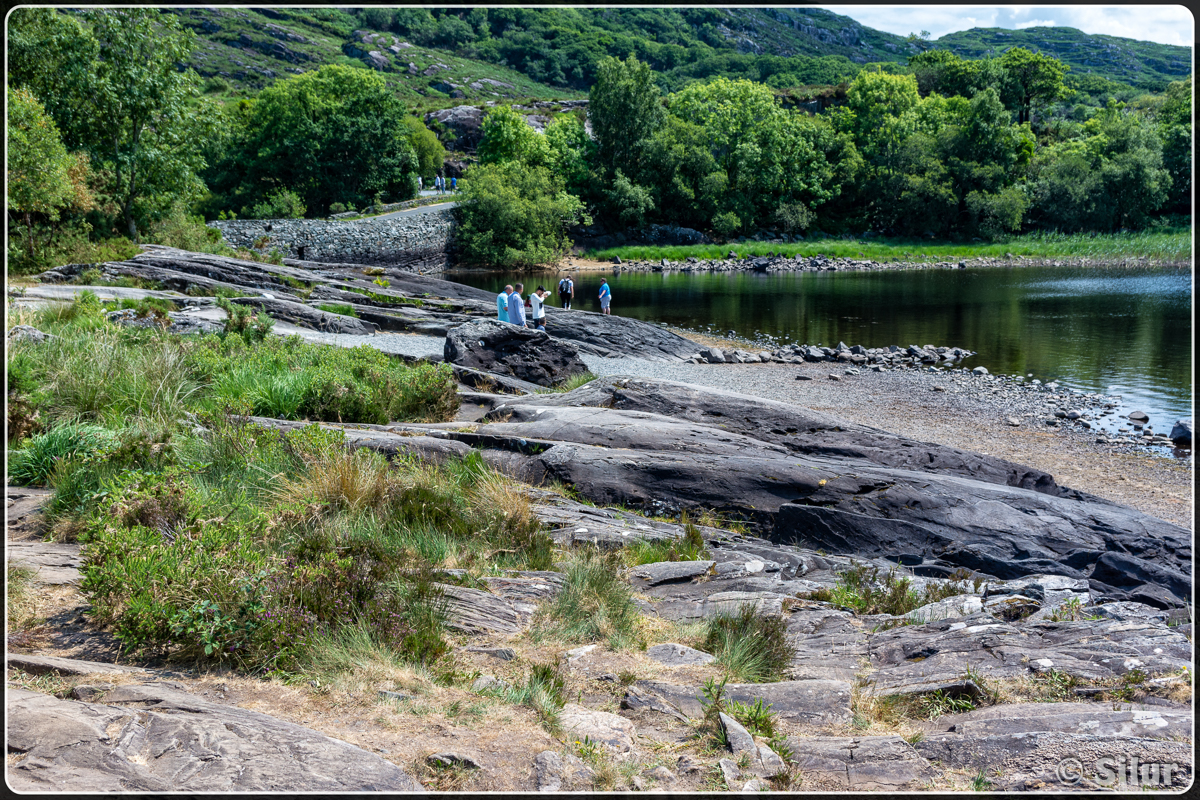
(605, 296)
(516, 306)
(502, 304)
(453, 185)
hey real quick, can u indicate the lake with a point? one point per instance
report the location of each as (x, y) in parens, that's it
(1114, 330)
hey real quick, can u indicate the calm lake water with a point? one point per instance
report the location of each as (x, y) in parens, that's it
(1117, 331)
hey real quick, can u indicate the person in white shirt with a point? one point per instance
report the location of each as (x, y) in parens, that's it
(537, 304)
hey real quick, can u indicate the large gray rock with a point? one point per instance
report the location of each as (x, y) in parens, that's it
(466, 122)
(152, 738)
(503, 349)
(611, 731)
(674, 655)
(1181, 432)
(612, 335)
(866, 763)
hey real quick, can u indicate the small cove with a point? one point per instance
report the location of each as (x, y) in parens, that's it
(1113, 330)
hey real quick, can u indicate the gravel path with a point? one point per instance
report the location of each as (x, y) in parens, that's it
(966, 412)
(408, 344)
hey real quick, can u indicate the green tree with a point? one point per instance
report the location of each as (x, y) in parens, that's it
(571, 152)
(514, 215)
(43, 178)
(337, 134)
(431, 155)
(625, 109)
(507, 137)
(1175, 130)
(142, 118)
(1033, 79)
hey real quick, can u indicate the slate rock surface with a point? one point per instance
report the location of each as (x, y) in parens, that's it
(152, 738)
(498, 347)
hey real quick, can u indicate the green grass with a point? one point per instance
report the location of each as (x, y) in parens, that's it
(750, 647)
(595, 604)
(1170, 245)
(344, 309)
(689, 547)
(861, 589)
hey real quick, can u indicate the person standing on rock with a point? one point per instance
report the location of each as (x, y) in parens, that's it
(516, 306)
(502, 303)
(537, 303)
(566, 288)
(605, 296)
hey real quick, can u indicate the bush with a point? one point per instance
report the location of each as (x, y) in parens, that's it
(513, 215)
(282, 204)
(750, 646)
(344, 309)
(187, 233)
(241, 320)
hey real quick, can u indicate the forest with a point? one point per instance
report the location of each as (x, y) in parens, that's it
(111, 142)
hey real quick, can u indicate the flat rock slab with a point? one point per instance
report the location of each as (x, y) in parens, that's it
(156, 739)
(867, 763)
(675, 655)
(812, 702)
(918, 659)
(503, 349)
(612, 731)
(671, 571)
(828, 644)
(52, 563)
(54, 665)
(474, 612)
(1092, 719)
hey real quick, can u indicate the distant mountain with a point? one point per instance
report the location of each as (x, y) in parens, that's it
(540, 53)
(1145, 65)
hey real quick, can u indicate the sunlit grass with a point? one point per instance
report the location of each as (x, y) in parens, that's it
(1167, 244)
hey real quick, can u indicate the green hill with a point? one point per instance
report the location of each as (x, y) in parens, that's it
(1144, 65)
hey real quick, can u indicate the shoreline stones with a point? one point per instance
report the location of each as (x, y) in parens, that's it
(822, 263)
(856, 355)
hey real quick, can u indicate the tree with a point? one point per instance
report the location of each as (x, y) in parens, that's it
(43, 178)
(507, 137)
(1033, 79)
(142, 122)
(337, 134)
(431, 155)
(513, 215)
(625, 109)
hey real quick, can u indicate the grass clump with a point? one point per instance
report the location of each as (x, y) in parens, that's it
(543, 690)
(32, 464)
(244, 322)
(861, 589)
(22, 605)
(689, 547)
(345, 309)
(595, 604)
(156, 307)
(750, 647)
(574, 382)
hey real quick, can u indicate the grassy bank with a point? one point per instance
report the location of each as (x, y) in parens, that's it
(1166, 245)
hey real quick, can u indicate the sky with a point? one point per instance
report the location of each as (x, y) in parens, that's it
(1163, 24)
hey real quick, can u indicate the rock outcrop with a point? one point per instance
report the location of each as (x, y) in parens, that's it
(155, 738)
(504, 349)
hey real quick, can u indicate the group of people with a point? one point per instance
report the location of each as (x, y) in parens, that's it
(439, 184)
(510, 307)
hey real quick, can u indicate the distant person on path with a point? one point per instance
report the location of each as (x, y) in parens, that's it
(502, 303)
(537, 303)
(605, 296)
(454, 184)
(516, 306)
(420, 184)
(566, 288)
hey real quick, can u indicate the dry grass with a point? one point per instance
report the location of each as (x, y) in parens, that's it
(344, 479)
(23, 606)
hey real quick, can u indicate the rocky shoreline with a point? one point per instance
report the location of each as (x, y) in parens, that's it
(820, 263)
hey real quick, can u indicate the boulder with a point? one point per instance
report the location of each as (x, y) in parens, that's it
(465, 121)
(1181, 432)
(30, 334)
(152, 738)
(611, 731)
(498, 347)
(674, 655)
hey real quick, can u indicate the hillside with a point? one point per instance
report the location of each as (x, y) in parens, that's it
(1145, 65)
(243, 50)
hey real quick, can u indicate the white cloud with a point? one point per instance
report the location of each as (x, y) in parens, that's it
(1034, 23)
(1167, 24)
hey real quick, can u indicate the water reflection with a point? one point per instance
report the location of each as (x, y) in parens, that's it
(1095, 329)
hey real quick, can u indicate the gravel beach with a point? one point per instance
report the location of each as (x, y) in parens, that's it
(962, 414)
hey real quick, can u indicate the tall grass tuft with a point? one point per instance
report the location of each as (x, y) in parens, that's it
(595, 604)
(33, 464)
(750, 647)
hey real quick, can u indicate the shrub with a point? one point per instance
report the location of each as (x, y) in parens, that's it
(158, 308)
(188, 233)
(242, 320)
(282, 204)
(750, 646)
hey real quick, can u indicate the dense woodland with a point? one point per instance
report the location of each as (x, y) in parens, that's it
(111, 141)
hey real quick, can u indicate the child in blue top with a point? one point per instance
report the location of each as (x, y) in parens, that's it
(605, 296)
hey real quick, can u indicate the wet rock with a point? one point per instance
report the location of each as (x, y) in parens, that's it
(675, 655)
(149, 738)
(1181, 432)
(498, 347)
